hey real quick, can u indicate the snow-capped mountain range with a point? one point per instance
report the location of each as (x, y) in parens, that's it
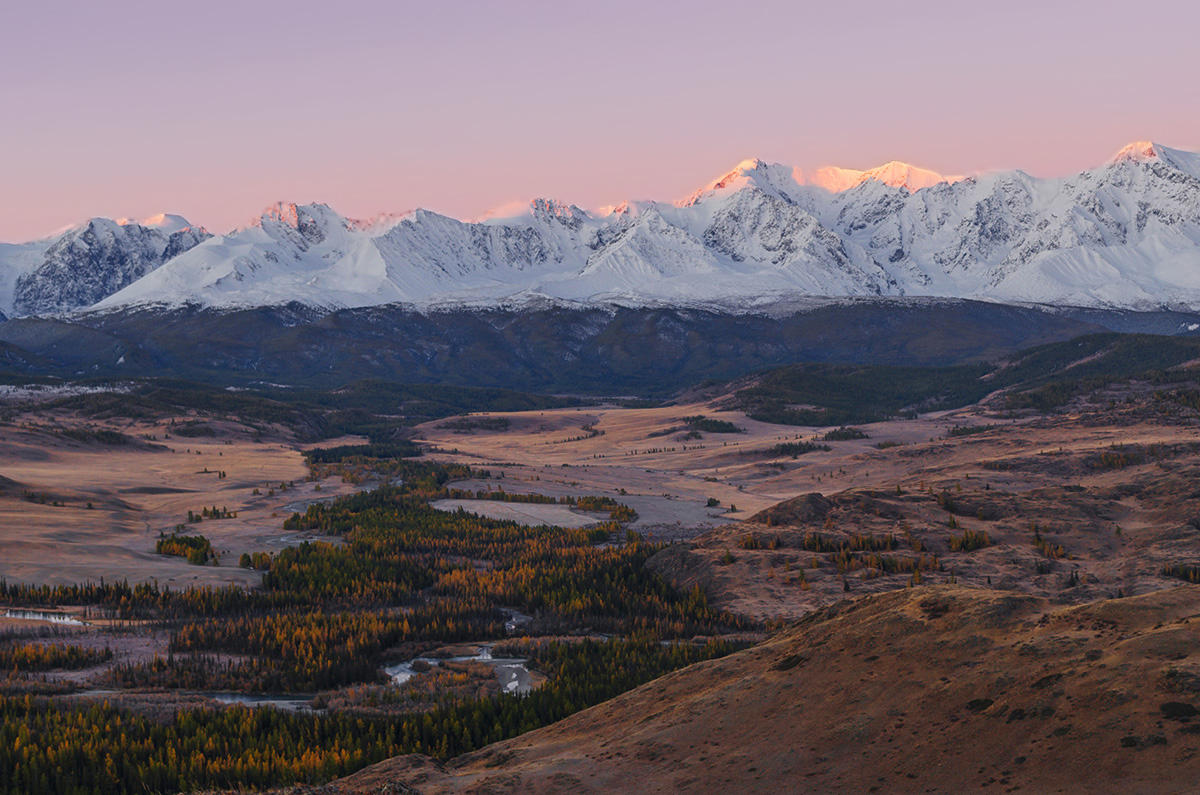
(1125, 234)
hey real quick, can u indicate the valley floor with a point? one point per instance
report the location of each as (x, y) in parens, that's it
(980, 598)
(77, 505)
(1025, 629)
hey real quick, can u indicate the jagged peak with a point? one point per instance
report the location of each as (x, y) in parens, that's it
(293, 215)
(748, 166)
(167, 223)
(553, 209)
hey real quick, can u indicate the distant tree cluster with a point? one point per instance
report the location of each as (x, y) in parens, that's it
(1047, 548)
(1185, 572)
(30, 657)
(699, 422)
(970, 430)
(796, 449)
(357, 452)
(451, 568)
(196, 549)
(210, 513)
(844, 434)
(259, 560)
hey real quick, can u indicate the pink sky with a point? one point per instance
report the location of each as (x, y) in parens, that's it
(214, 110)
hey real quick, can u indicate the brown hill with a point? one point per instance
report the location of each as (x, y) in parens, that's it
(924, 689)
(933, 689)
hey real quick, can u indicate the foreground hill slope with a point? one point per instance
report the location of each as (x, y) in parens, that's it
(933, 689)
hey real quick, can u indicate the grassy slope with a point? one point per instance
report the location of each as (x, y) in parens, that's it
(933, 689)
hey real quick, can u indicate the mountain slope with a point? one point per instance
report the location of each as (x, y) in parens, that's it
(934, 689)
(547, 347)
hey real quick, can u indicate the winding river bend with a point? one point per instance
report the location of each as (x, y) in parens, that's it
(510, 671)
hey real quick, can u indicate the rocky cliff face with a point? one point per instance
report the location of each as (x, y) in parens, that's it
(96, 260)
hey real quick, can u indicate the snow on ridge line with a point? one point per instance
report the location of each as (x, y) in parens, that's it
(753, 234)
(1124, 234)
(836, 179)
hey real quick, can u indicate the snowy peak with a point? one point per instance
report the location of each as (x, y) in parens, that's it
(552, 210)
(298, 216)
(895, 174)
(907, 176)
(306, 224)
(1136, 152)
(1151, 153)
(787, 183)
(774, 179)
(168, 223)
(537, 210)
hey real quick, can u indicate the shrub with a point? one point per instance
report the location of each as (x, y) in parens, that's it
(970, 540)
(795, 449)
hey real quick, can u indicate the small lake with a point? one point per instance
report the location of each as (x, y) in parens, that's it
(532, 514)
(44, 615)
(286, 703)
(302, 505)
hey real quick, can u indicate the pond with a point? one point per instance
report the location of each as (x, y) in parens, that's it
(287, 703)
(43, 615)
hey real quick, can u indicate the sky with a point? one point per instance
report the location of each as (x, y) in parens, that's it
(216, 110)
